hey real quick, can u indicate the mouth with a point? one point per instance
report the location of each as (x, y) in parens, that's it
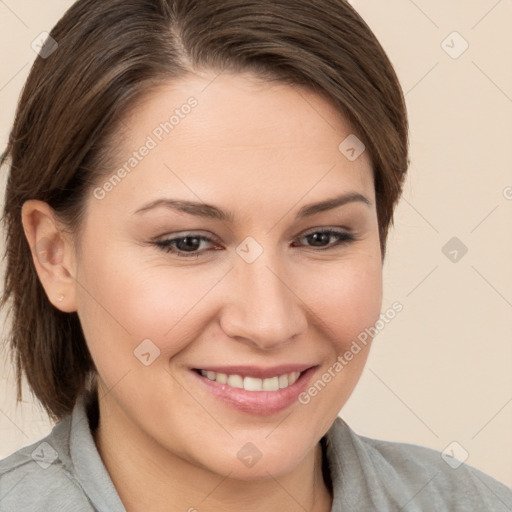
(255, 390)
(251, 383)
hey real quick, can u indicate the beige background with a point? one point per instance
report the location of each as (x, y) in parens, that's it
(441, 370)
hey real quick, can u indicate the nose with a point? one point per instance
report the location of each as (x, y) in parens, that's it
(262, 307)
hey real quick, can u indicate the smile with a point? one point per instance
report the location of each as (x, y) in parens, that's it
(253, 383)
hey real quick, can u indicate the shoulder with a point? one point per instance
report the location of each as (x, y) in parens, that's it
(40, 476)
(406, 473)
(445, 472)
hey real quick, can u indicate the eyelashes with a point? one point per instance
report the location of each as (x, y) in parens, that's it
(189, 245)
(170, 244)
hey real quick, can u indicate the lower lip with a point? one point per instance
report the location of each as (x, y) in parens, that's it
(258, 402)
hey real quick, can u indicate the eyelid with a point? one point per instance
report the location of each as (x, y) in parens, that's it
(183, 234)
(337, 229)
(214, 238)
(345, 236)
(166, 243)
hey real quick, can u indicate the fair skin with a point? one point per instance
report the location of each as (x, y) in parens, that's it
(262, 151)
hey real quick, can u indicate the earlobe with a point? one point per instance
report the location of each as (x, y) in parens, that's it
(52, 254)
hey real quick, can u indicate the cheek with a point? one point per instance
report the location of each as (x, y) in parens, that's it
(124, 300)
(347, 298)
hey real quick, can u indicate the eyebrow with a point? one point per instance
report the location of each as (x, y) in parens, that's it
(213, 212)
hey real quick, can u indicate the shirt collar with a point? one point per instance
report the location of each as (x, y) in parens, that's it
(346, 468)
(87, 462)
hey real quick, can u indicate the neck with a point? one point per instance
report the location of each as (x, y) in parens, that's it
(148, 477)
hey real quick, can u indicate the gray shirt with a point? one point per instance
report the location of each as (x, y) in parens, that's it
(64, 472)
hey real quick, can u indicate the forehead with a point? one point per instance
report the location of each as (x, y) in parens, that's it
(227, 135)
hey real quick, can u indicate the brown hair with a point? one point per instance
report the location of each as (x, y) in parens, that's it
(112, 52)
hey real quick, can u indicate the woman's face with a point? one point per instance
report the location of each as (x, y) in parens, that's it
(251, 288)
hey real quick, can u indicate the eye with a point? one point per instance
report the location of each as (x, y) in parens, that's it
(321, 238)
(193, 244)
(185, 246)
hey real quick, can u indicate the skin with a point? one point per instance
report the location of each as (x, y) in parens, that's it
(261, 150)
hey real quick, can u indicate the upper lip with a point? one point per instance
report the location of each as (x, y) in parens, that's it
(257, 371)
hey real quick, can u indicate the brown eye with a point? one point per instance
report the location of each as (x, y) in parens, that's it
(321, 238)
(184, 246)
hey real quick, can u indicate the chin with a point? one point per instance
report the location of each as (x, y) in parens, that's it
(253, 461)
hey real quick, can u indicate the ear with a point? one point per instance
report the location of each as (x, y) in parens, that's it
(52, 253)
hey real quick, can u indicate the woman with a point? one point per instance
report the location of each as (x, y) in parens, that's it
(196, 216)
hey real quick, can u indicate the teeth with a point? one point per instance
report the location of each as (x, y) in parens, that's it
(220, 377)
(283, 381)
(253, 383)
(271, 384)
(235, 381)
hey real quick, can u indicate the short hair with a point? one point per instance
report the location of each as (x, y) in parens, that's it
(110, 54)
